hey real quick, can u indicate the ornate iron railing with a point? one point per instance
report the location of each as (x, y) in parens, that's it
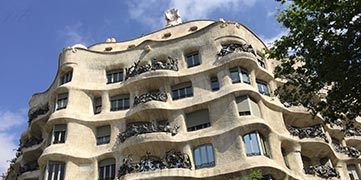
(38, 112)
(135, 129)
(28, 142)
(349, 150)
(323, 171)
(353, 131)
(172, 159)
(308, 132)
(32, 166)
(150, 96)
(230, 48)
(171, 64)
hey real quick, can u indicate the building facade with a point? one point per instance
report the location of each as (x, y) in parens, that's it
(190, 101)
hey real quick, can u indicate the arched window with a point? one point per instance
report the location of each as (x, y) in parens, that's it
(256, 144)
(106, 169)
(204, 156)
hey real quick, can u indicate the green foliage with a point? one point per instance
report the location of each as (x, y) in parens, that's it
(321, 57)
(255, 175)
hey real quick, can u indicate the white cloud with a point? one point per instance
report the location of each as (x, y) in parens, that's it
(146, 13)
(11, 125)
(269, 40)
(75, 34)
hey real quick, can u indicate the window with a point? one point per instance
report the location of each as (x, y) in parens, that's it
(55, 171)
(182, 90)
(214, 83)
(62, 101)
(262, 88)
(198, 120)
(106, 169)
(193, 60)
(66, 77)
(114, 76)
(239, 75)
(203, 156)
(103, 135)
(119, 102)
(255, 144)
(247, 106)
(261, 62)
(97, 105)
(59, 132)
(284, 155)
(352, 172)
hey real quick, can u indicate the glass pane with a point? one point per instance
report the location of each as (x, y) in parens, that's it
(204, 154)
(101, 172)
(62, 136)
(210, 153)
(112, 171)
(109, 78)
(235, 77)
(189, 91)
(245, 77)
(50, 171)
(175, 94)
(255, 144)
(189, 61)
(196, 59)
(56, 171)
(107, 171)
(62, 171)
(247, 143)
(182, 93)
(197, 157)
(126, 103)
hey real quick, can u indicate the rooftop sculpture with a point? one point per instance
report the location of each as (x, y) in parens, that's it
(173, 17)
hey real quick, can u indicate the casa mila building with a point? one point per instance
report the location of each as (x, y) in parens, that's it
(194, 100)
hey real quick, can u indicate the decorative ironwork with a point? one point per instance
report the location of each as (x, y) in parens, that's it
(171, 64)
(172, 159)
(323, 171)
(349, 150)
(136, 129)
(230, 48)
(38, 112)
(28, 142)
(353, 131)
(150, 96)
(32, 166)
(308, 132)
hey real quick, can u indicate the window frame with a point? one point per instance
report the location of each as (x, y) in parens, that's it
(59, 134)
(199, 126)
(57, 168)
(207, 163)
(66, 77)
(263, 88)
(108, 168)
(115, 76)
(97, 105)
(122, 102)
(61, 101)
(240, 73)
(191, 61)
(352, 170)
(100, 140)
(214, 79)
(186, 87)
(261, 142)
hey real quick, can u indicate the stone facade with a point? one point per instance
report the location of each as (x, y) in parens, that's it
(190, 101)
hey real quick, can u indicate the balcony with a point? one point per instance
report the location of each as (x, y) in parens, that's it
(40, 111)
(148, 163)
(150, 96)
(323, 171)
(308, 132)
(32, 166)
(135, 129)
(136, 69)
(28, 142)
(348, 150)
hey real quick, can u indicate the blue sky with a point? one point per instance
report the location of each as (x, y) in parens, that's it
(33, 33)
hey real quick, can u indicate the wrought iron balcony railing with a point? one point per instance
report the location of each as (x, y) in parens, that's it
(308, 132)
(323, 171)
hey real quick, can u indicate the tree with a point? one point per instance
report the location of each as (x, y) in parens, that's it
(320, 57)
